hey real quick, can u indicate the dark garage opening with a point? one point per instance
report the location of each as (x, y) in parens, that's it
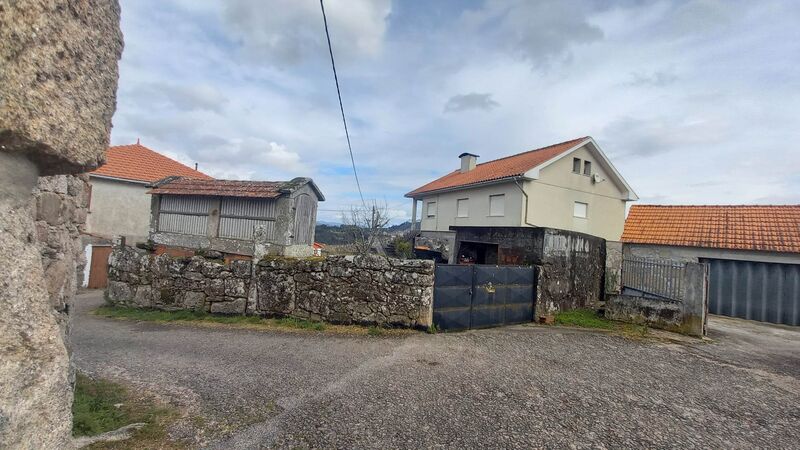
(477, 253)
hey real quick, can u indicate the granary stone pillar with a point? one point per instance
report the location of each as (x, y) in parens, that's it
(58, 81)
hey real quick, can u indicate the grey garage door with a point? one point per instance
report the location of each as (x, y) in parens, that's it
(767, 292)
(479, 296)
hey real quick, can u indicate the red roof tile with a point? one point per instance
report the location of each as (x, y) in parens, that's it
(737, 227)
(138, 163)
(508, 167)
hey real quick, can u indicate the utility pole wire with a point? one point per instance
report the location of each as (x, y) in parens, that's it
(341, 106)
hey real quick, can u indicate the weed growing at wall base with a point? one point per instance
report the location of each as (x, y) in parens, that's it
(254, 322)
(588, 318)
(584, 318)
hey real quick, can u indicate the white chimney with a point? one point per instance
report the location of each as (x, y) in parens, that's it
(468, 161)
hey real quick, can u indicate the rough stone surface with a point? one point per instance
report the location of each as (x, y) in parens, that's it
(613, 267)
(58, 79)
(340, 289)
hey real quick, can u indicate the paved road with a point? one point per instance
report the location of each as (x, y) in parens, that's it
(516, 387)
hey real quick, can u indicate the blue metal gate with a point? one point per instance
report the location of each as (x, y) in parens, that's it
(768, 292)
(478, 296)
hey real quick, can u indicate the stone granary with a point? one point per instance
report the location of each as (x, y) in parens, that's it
(225, 215)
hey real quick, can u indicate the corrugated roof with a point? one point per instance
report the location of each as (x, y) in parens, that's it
(231, 188)
(138, 163)
(508, 167)
(736, 227)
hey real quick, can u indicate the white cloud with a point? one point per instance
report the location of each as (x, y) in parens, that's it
(695, 101)
(287, 32)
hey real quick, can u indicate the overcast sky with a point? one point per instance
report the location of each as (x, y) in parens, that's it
(694, 101)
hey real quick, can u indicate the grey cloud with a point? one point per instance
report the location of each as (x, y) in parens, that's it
(185, 97)
(464, 102)
(539, 31)
(285, 33)
(628, 136)
(655, 79)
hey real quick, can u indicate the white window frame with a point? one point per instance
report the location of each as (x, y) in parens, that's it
(430, 205)
(502, 199)
(587, 165)
(465, 202)
(576, 212)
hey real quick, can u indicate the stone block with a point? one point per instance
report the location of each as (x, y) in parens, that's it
(235, 287)
(236, 306)
(119, 292)
(241, 268)
(52, 53)
(194, 300)
(50, 208)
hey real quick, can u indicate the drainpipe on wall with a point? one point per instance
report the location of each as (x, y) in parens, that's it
(524, 194)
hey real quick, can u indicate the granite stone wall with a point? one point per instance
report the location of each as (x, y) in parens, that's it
(58, 81)
(339, 289)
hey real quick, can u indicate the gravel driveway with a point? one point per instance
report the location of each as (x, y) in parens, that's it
(514, 387)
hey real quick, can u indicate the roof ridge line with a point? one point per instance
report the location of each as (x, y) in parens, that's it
(534, 150)
(159, 154)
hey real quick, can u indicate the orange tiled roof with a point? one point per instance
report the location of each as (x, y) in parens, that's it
(508, 167)
(740, 227)
(138, 163)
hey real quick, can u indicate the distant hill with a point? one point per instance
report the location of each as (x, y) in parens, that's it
(344, 234)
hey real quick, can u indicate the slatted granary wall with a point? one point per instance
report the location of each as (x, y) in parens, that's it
(304, 219)
(240, 216)
(185, 214)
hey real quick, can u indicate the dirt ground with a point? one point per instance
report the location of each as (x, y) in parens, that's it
(515, 387)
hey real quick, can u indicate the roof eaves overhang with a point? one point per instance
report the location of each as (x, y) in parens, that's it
(510, 179)
(127, 180)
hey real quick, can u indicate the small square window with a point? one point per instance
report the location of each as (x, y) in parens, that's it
(497, 205)
(462, 207)
(576, 165)
(431, 209)
(580, 210)
(587, 168)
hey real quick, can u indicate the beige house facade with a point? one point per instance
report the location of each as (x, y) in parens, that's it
(569, 186)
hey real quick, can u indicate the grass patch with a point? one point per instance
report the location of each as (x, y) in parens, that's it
(93, 409)
(584, 318)
(199, 317)
(376, 331)
(588, 318)
(291, 322)
(101, 406)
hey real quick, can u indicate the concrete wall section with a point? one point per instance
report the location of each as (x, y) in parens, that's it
(687, 315)
(694, 254)
(613, 267)
(571, 273)
(119, 208)
(477, 201)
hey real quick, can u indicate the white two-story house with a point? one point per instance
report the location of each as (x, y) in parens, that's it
(570, 186)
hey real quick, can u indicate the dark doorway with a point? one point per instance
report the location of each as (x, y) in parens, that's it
(477, 253)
